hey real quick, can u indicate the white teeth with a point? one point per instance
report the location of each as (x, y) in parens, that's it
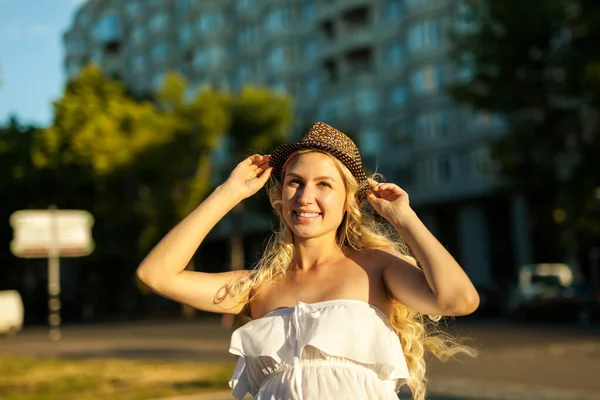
(308, 215)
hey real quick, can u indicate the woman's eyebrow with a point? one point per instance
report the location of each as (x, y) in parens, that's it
(318, 178)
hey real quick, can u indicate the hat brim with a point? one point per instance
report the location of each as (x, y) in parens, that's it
(280, 155)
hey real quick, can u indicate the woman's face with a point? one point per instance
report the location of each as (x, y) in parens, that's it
(313, 196)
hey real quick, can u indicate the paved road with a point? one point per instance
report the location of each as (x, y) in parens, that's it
(516, 361)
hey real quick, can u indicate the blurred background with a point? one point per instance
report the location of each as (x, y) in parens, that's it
(485, 111)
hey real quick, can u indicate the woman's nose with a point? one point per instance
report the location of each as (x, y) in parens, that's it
(306, 196)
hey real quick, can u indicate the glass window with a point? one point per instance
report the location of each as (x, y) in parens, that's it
(138, 35)
(277, 20)
(183, 6)
(159, 22)
(309, 50)
(248, 34)
(370, 141)
(185, 34)
(399, 95)
(393, 10)
(209, 21)
(107, 28)
(307, 11)
(157, 80)
(444, 166)
(75, 45)
(394, 53)
(427, 79)
(367, 101)
(159, 52)
(139, 63)
(133, 8)
(72, 69)
(425, 35)
(244, 5)
(431, 125)
(276, 58)
(416, 3)
(313, 85)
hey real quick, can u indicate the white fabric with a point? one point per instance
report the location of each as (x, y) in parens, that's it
(336, 349)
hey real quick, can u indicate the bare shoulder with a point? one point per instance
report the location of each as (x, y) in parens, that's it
(381, 259)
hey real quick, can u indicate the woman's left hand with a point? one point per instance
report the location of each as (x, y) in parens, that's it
(390, 201)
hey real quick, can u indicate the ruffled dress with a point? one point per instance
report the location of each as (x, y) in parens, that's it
(336, 349)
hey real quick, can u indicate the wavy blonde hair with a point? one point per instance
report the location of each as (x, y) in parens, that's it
(359, 230)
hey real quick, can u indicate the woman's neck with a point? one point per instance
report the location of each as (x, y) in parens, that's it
(310, 253)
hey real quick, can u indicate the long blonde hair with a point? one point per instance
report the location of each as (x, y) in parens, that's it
(359, 230)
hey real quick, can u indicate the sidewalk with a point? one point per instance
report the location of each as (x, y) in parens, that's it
(458, 389)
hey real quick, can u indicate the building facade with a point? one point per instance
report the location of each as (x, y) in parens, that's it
(376, 69)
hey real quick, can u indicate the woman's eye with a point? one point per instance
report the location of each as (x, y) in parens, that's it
(294, 182)
(324, 184)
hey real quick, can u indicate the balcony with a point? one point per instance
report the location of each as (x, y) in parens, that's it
(351, 40)
(332, 8)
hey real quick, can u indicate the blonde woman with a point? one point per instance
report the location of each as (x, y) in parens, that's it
(339, 308)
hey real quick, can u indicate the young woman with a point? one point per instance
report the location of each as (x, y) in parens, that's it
(340, 308)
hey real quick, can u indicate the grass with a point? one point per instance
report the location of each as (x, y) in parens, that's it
(67, 379)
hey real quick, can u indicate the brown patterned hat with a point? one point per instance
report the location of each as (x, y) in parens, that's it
(326, 138)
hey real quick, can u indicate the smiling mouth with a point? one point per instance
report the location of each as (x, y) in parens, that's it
(306, 216)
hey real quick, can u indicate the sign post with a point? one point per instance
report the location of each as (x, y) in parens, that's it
(52, 234)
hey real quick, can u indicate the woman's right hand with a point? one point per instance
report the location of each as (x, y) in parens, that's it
(249, 176)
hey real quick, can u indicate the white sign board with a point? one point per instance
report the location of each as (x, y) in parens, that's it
(33, 233)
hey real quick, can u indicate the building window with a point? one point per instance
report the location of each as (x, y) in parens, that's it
(425, 35)
(72, 69)
(437, 169)
(307, 11)
(159, 22)
(280, 87)
(431, 125)
(417, 3)
(277, 20)
(244, 5)
(248, 35)
(138, 35)
(183, 6)
(393, 10)
(159, 52)
(208, 22)
(108, 28)
(75, 45)
(394, 53)
(139, 63)
(133, 8)
(185, 34)
(276, 58)
(426, 80)
(157, 80)
(370, 142)
(399, 95)
(309, 50)
(313, 85)
(367, 101)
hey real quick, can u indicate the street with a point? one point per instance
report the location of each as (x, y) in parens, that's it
(516, 361)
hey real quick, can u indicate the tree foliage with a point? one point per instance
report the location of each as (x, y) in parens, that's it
(536, 64)
(138, 166)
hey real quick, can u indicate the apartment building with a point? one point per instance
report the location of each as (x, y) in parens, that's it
(373, 68)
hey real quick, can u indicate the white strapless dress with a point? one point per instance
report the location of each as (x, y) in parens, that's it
(336, 349)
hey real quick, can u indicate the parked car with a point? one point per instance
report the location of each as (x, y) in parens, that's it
(548, 291)
(11, 312)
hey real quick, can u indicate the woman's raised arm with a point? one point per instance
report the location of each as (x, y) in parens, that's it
(163, 269)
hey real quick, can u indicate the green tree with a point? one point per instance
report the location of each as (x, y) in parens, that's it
(137, 166)
(529, 61)
(260, 120)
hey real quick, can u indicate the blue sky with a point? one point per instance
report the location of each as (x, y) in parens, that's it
(31, 57)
